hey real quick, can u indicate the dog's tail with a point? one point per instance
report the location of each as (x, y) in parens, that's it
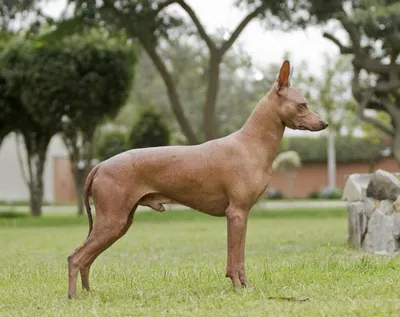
(86, 193)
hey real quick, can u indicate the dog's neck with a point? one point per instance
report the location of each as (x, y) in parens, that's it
(264, 121)
(265, 127)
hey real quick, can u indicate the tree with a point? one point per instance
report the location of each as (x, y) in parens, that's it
(95, 85)
(28, 73)
(70, 87)
(10, 10)
(373, 42)
(8, 103)
(148, 131)
(149, 22)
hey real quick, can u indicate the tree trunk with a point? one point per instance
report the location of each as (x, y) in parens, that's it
(209, 119)
(331, 159)
(371, 166)
(80, 150)
(172, 92)
(36, 200)
(79, 180)
(36, 145)
(396, 144)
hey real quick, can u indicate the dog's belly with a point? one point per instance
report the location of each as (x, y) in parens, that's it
(213, 206)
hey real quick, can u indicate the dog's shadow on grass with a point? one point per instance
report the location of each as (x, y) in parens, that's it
(278, 298)
(289, 299)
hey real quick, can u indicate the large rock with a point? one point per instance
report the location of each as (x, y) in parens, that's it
(382, 230)
(357, 224)
(356, 185)
(383, 185)
(373, 212)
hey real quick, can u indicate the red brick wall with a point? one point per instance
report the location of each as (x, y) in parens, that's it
(63, 181)
(314, 176)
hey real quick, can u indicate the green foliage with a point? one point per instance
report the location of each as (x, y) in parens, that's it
(348, 149)
(315, 194)
(372, 133)
(109, 144)
(10, 8)
(139, 18)
(331, 193)
(85, 78)
(149, 131)
(326, 193)
(273, 193)
(99, 76)
(82, 78)
(8, 108)
(32, 72)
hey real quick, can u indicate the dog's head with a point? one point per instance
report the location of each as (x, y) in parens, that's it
(292, 106)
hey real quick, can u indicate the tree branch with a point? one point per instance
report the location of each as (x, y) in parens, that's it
(235, 34)
(385, 87)
(202, 32)
(364, 99)
(361, 114)
(343, 49)
(362, 58)
(354, 34)
(391, 108)
(163, 5)
(394, 40)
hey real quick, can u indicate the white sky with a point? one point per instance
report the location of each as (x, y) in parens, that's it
(264, 46)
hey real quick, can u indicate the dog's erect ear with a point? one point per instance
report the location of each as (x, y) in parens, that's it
(284, 73)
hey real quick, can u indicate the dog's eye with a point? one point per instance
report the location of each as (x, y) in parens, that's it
(302, 105)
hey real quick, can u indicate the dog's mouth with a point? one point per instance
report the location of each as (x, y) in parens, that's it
(301, 127)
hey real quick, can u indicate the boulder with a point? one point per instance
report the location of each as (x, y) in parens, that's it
(383, 185)
(379, 236)
(357, 224)
(356, 184)
(373, 212)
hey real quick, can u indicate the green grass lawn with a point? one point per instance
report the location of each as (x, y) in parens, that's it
(173, 264)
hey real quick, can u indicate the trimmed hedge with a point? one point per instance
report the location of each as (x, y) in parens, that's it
(109, 144)
(150, 130)
(348, 149)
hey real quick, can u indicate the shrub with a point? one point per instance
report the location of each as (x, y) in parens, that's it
(331, 193)
(326, 193)
(149, 131)
(348, 149)
(110, 143)
(315, 194)
(273, 193)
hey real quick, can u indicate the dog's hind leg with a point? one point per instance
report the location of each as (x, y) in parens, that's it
(85, 268)
(106, 230)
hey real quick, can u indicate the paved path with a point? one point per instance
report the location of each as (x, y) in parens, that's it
(285, 204)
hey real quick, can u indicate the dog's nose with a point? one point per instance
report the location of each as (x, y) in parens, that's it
(324, 124)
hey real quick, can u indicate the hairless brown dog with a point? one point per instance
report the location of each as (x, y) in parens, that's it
(222, 177)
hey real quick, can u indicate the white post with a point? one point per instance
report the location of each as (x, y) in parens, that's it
(331, 159)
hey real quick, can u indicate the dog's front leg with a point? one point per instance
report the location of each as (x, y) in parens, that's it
(237, 224)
